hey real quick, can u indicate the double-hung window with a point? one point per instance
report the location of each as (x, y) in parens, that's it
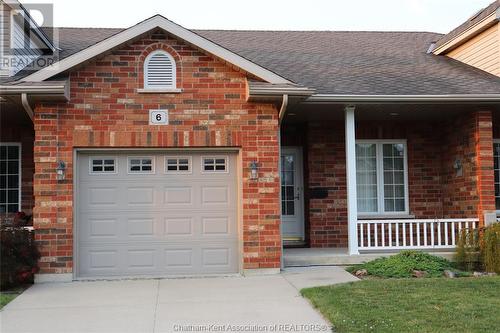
(10, 177)
(382, 177)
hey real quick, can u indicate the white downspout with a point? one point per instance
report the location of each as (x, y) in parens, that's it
(27, 106)
(281, 115)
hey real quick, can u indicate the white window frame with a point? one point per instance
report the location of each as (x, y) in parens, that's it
(173, 86)
(19, 185)
(215, 157)
(130, 172)
(91, 169)
(495, 141)
(177, 172)
(380, 177)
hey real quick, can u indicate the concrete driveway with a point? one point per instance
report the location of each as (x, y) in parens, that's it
(169, 305)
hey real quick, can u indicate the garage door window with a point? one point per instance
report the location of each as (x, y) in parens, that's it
(175, 164)
(10, 178)
(140, 165)
(214, 164)
(102, 165)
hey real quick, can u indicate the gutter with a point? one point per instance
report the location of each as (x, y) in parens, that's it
(325, 98)
(59, 89)
(53, 91)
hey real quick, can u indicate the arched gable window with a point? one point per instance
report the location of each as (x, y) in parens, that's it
(159, 71)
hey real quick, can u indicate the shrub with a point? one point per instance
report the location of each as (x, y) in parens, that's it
(467, 252)
(18, 256)
(403, 264)
(490, 249)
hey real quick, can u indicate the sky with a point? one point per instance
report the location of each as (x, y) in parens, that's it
(399, 15)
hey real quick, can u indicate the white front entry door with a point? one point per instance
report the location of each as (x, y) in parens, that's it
(292, 190)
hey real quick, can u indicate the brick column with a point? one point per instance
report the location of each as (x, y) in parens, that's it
(484, 163)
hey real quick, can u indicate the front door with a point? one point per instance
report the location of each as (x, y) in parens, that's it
(292, 198)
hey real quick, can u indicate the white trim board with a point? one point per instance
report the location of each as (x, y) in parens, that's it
(154, 22)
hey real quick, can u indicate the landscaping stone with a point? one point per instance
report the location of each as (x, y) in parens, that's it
(361, 272)
(492, 274)
(478, 274)
(419, 274)
(449, 274)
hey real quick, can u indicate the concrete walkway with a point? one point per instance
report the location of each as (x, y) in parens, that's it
(168, 305)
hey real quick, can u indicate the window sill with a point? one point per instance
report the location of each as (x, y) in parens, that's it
(159, 91)
(385, 216)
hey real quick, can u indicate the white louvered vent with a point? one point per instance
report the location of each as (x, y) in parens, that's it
(159, 71)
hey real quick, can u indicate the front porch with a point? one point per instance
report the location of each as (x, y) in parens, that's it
(379, 178)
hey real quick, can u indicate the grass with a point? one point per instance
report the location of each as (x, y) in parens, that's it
(404, 263)
(6, 297)
(411, 305)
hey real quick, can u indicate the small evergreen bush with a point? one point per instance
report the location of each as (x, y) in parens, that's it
(490, 249)
(468, 248)
(18, 256)
(403, 264)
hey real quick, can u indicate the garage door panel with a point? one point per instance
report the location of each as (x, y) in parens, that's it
(178, 196)
(140, 227)
(178, 226)
(140, 196)
(156, 224)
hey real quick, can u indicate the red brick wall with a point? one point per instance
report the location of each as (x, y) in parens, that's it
(434, 189)
(468, 138)
(328, 217)
(19, 129)
(106, 111)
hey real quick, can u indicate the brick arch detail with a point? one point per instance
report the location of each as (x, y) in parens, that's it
(155, 47)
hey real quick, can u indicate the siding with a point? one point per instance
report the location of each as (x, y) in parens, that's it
(4, 36)
(482, 51)
(11, 32)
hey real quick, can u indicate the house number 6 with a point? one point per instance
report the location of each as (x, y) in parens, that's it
(158, 117)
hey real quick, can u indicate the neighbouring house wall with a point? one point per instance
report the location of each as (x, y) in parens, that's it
(20, 129)
(482, 51)
(106, 111)
(469, 139)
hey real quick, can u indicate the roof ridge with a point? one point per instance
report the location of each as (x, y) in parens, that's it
(262, 30)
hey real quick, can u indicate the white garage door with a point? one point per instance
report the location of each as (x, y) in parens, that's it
(156, 214)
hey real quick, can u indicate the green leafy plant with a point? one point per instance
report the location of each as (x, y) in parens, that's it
(18, 256)
(403, 264)
(467, 251)
(490, 249)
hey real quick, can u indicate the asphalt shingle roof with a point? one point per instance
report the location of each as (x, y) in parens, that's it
(345, 63)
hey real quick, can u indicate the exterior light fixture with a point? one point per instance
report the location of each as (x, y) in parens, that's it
(254, 170)
(61, 170)
(458, 167)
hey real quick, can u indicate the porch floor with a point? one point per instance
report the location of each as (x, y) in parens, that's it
(300, 257)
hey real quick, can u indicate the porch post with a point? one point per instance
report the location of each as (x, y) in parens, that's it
(352, 207)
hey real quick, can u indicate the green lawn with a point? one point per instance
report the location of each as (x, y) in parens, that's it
(5, 298)
(411, 305)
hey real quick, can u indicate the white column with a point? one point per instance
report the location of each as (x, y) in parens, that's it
(352, 207)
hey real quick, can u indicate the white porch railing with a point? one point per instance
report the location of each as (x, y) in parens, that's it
(411, 233)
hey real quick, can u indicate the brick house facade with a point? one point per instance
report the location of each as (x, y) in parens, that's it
(429, 167)
(107, 111)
